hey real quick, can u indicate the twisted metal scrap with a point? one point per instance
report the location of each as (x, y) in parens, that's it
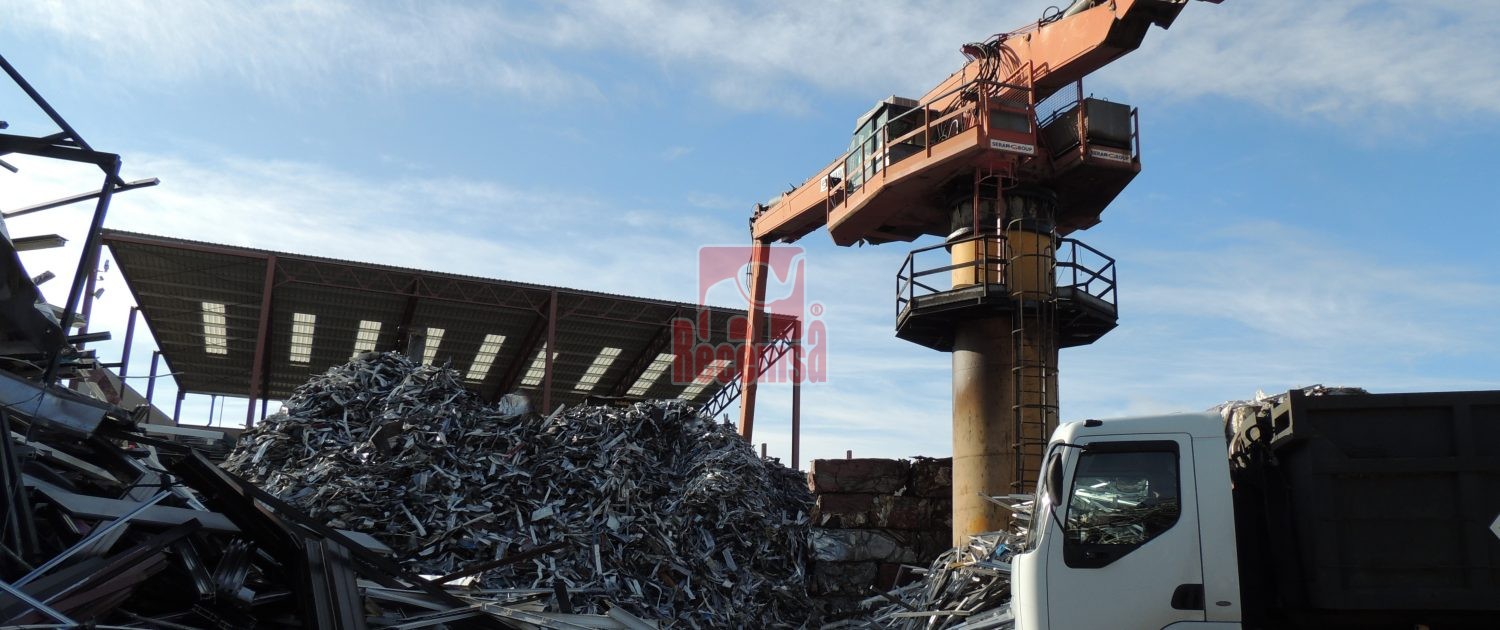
(966, 588)
(963, 584)
(665, 513)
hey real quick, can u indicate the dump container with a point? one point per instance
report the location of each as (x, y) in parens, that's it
(1382, 502)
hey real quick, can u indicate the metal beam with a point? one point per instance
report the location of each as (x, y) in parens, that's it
(203, 248)
(68, 132)
(403, 328)
(659, 343)
(88, 305)
(263, 331)
(760, 258)
(551, 351)
(151, 379)
(529, 345)
(129, 337)
(42, 147)
(796, 401)
(89, 259)
(72, 199)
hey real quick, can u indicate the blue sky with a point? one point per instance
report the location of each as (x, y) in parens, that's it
(1316, 204)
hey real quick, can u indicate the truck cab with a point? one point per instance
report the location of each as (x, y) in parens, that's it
(1133, 527)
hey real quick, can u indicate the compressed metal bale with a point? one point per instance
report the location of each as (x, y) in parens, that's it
(877, 511)
(932, 478)
(865, 475)
(856, 545)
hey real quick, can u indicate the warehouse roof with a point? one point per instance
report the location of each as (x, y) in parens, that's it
(203, 304)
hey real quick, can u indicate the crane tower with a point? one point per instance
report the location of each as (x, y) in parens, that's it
(1004, 160)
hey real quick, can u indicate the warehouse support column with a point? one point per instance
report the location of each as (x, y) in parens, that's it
(262, 332)
(797, 397)
(87, 310)
(129, 338)
(88, 263)
(549, 351)
(151, 378)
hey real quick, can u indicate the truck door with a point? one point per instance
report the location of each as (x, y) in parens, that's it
(1130, 552)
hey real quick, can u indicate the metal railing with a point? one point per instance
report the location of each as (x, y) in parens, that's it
(779, 342)
(1086, 270)
(1077, 266)
(1074, 104)
(875, 154)
(914, 280)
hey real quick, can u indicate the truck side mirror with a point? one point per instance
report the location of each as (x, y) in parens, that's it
(1054, 481)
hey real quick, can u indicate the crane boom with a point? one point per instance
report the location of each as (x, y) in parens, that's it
(1041, 59)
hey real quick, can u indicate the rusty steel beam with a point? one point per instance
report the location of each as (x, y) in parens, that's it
(192, 246)
(760, 258)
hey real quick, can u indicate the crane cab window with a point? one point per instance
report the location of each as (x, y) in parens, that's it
(1123, 495)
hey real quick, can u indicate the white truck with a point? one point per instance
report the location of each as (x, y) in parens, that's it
(1360, 511)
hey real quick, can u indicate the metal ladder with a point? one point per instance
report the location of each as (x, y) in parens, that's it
(1034, 369)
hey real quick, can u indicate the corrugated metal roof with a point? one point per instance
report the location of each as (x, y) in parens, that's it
(173, 278)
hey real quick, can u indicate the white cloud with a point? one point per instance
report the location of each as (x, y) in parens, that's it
(1306, 289)
(765, 55)
(1330, 60)
(1335, 60)
(753, 56)
(292, 47)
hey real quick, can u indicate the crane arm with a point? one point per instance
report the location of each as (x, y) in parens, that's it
(1044, 57)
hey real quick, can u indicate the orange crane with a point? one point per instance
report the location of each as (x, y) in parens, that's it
(1004, 159)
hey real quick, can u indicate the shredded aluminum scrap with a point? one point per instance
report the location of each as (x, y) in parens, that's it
(966, 587)
(659, 511)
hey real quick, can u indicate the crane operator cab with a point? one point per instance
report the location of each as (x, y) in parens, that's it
(882, 136)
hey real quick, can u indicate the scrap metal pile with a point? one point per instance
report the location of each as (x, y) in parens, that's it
(648, 507)
(966, 588)
(105, 525)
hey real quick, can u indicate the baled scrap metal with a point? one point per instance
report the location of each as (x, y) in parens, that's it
(663, 513)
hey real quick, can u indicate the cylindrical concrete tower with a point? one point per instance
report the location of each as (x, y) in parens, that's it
(1004, 359)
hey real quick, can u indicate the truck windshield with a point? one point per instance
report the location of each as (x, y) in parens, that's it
(1122, 498)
